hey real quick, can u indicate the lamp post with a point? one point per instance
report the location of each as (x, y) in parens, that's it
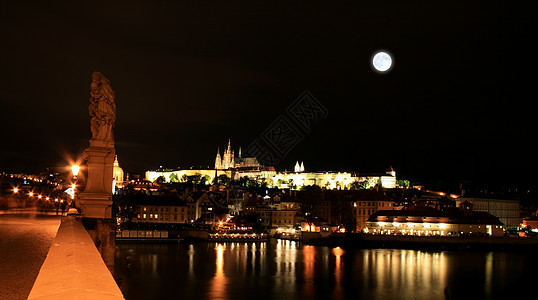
(75, 169)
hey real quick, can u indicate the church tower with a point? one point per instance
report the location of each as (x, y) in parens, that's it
(118, 171)
(218, 160)
(228, 157)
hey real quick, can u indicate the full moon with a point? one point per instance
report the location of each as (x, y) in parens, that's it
(382, 61)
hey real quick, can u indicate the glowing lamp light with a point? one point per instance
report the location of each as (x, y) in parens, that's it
(75, 169)
(442, 225)
(381, 223)
(15, 190)
(31, 194)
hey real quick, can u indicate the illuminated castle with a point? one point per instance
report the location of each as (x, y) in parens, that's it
(229, 161)
(299, 168)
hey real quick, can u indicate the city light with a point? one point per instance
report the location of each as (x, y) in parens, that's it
(75, 169)
(15, 190)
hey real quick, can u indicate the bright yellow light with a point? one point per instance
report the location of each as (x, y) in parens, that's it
(442, 225)
(39, 196)
(426, 225)
(396, 224)
(31, 194)
(15, 190)
(381, 223)
(75, 169)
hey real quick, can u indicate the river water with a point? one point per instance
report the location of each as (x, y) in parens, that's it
(281, 269)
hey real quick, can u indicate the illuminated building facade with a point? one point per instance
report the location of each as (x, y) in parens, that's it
(160, 210)
(332, 180)
(366, 203)
(179, 175)
(429, 222)
(508, 211)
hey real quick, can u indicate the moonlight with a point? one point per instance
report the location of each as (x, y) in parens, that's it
(382, 61)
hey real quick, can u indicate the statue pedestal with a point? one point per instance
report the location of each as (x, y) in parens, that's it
(96, 200)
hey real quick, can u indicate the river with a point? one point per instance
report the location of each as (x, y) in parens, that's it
(281, 269)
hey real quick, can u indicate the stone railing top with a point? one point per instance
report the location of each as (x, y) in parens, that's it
(74, 268)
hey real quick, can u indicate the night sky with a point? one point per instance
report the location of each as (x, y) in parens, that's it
(458, 103)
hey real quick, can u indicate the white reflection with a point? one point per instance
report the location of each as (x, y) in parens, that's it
(191, 252)
(412, 273)
(285, 259)
(154, 263)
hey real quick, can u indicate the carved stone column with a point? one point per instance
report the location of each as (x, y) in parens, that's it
(96, 200)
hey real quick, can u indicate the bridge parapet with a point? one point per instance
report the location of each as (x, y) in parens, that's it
(74, 268)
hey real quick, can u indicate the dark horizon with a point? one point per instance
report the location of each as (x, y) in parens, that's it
(456, 105)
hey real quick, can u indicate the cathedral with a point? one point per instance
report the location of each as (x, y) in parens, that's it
(228, 160)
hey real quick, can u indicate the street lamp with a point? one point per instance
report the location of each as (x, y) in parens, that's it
(75, 169)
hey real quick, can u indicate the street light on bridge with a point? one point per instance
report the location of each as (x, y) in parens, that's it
(75, 169)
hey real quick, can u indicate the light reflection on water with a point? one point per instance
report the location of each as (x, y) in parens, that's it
(282, 269)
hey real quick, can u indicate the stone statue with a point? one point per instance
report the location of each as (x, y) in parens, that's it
(96, 199)
(102, 109)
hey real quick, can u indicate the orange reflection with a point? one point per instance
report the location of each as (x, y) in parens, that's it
(412, 272)
(309, 260)
(218, 284)
(337, 252)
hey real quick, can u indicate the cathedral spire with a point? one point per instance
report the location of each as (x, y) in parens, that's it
(218, 160)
